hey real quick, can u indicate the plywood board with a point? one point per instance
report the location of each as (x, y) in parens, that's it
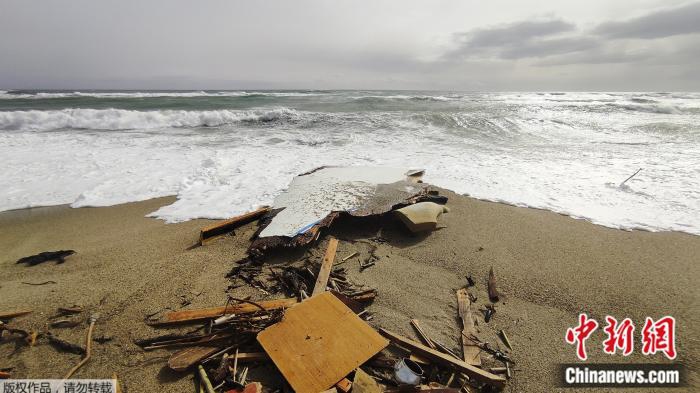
(319, 342)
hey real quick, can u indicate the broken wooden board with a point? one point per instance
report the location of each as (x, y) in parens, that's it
(215, 312)
(221, 228)
(186, 358)
(319, 342)
(446, 360)
(14, 314)
(326, 266)
(470, 351)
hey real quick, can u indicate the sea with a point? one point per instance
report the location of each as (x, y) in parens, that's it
(223, 153)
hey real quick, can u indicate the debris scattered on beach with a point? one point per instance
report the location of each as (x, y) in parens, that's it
(57, 256)
(216, 231)
(318, 337)
(4, 316)
(421, 217)
(63, 345)
(493, 292)
(309, 324)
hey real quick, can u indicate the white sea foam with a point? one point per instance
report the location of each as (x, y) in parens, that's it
(120, 119)
(525, 150)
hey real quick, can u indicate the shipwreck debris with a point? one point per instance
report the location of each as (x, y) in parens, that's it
(493, 292)
(447, 360)
(198, 315)
(7, 315)
(470, 351)
(88, 348)
(505, 339)
(316, 199)
(58, 256)
(64, 346)
(325, 271)
(422, 216)
(215, 231)
(307, 331)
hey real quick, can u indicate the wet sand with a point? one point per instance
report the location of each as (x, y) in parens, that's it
(549, 268)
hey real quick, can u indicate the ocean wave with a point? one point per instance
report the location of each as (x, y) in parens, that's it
(120, 119)
(19, 94)
(399, 97)
(650, 108)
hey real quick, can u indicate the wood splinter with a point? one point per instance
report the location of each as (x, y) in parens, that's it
(493, 293)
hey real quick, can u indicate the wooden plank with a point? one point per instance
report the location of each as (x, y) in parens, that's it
(182, 360)
(14, 314)
(447, 360)
(221, 228)
(319, 342)
(326, 265)
(421, 333)
(215, 312)
(470, 351)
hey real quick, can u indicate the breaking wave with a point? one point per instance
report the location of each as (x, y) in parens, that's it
(121, 119)
(650, 108)
(20, 94)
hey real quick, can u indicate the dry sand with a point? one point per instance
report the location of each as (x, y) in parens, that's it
(549, 268)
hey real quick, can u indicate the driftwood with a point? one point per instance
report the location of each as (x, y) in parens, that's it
(58, 256)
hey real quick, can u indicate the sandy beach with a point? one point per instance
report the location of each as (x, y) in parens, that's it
(549, 268)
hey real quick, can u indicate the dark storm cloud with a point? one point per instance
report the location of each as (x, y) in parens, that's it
(558, 42)
(664, 23)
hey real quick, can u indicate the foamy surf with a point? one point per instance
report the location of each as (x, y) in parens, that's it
(561, 152)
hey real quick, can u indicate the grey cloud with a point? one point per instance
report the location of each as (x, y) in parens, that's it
(550, 47)
(664, 23)
(520, 40)
(516, 32)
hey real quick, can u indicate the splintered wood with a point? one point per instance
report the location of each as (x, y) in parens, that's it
(470, 350)
(326, 265)
(319, 342)
(219, 229)
(215, 312)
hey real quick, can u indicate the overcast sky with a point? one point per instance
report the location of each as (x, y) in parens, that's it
(331, 44)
